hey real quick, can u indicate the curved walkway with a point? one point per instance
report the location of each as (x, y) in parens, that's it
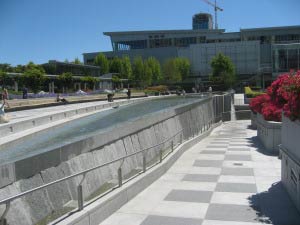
(226, 179)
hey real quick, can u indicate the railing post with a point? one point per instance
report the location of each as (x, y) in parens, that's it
(160, 155)
(80, 197)
(120, 177)
(172, 145)
(3, 220)
(144, 163)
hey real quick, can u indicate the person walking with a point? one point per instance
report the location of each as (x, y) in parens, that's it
(5, 97)
(129, 93)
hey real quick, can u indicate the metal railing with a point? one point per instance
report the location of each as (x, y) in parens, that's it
(80, 198)
(199, 130)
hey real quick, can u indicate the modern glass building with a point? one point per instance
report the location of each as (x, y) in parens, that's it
(202, 21)
(256, 51)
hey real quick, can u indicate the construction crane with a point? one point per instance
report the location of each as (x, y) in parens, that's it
(216, 11)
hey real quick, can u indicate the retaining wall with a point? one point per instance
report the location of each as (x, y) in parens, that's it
(125, 139)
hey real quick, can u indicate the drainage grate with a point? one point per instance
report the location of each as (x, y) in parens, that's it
(238, 164)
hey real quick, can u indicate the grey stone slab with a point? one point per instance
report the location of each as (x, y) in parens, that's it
(239, 144)
(200, 178)
(7, 174)
(237, 171)
(238, 149)
(189, 196)
(212, 152)
(236, 187)
(216, 146)
(228, 212)
(164, 220)
(219, 142)
(208, 163)
(238, 157)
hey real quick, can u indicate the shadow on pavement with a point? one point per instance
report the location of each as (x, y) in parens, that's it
(256, 143)
(274, 206)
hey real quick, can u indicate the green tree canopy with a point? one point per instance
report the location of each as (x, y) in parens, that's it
(126, 72)
(65, 80)
(91, 81)
(171, 71)
(223, 70)
(138, 71)
(5, 79)
(34, 76)
(102, 61)
(116, 65)
(184, 67)
(77, 61)
(154, 66)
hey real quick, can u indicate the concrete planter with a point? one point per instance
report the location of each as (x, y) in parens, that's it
(253, 120)
(269, 133)
(290, 163)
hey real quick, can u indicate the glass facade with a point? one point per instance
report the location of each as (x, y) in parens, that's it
(286, 57)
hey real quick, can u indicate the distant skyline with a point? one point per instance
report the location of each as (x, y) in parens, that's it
(41, 30)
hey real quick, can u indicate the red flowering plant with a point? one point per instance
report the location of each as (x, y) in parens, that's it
(270, 105)
(291, 91)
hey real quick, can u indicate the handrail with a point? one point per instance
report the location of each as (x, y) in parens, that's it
(83, 172)
(204, 127)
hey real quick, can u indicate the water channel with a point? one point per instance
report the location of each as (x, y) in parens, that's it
(87, 126)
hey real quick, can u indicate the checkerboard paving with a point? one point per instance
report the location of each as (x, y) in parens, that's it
(223, 180)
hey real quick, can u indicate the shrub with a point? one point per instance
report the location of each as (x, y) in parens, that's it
(250, 93)
(282, 96)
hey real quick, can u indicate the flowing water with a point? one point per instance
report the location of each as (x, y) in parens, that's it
(87, 126)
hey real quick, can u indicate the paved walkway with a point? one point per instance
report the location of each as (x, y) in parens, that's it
(226, 179)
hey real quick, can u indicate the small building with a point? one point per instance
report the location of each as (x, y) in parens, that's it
(56, 67)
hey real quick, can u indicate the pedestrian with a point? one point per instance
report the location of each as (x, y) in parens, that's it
(129, 93)
(5, 97)
(25, 93)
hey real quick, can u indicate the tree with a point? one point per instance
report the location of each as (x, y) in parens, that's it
(116, 65)
(5, 79)
(102, 61)
(138, 71)
(91, 81)
(147, 76)
(5, 67)
(34, 76)
(66, 80)
(126, 72)
(184, 67)
(223, 70)
(155, 67)
(77, 61)
(171, 71)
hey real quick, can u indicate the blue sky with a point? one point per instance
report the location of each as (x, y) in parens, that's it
(40, 30)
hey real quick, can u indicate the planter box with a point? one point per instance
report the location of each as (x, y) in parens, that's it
(290, 163)
(253, 120)
(269, 133)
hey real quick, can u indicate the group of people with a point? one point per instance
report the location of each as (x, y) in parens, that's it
(111, 95)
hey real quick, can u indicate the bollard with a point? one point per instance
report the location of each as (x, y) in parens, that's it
(120, 176)
(80, 197)
(181, 138)
(172, 146)
(144, 163)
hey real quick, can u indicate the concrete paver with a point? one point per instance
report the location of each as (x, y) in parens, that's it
(226, 179)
